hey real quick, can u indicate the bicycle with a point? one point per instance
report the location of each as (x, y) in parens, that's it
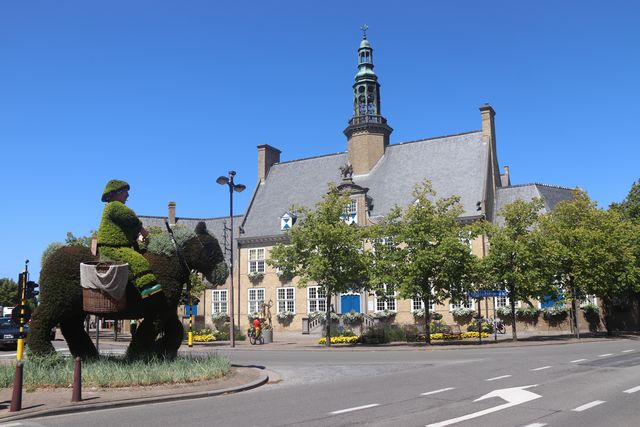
(253, 337)
(498, 325)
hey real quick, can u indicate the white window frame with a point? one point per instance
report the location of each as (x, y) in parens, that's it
(418, 304)
(388, 303)
(471, 303)
(286, 299)
(220, 301)
(505, 302)
(254, 300)
(256, 260)
(316, 299)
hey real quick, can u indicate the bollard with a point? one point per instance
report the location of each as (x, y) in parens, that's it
(16, 398)
(76, 394)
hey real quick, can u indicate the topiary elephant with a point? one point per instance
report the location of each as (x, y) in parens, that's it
(61, 296)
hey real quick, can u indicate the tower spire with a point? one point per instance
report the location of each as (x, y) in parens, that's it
(367, 118)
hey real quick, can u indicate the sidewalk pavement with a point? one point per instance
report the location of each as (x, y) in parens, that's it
(43, 402)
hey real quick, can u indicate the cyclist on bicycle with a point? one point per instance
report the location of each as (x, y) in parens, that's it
(256, 327)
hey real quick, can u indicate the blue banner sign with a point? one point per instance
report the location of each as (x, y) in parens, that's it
(487, 294)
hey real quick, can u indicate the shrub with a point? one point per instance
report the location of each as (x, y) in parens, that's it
(255, 276)
(462, 312)
(504, 311)
(554, 314)
(285, 316)
(384, 314)
(590, 309)
(219, 317)
(374, 336)
(527, 313)
(352, 317)
(419, 314)
(486, 327)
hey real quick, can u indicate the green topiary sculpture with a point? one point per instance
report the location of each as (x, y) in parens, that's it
(61, 299)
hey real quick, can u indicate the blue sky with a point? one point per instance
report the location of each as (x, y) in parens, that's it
(169, 95)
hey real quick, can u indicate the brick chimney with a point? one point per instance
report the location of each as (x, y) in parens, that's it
(267, 157)
(504, 178)
(172, 213)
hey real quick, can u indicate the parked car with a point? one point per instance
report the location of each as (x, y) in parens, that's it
(9, 332)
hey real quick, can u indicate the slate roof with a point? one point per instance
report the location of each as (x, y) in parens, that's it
(550, 194)
(215, 226)
(455, 165)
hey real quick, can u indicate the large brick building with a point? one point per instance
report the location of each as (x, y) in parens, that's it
(383, 175)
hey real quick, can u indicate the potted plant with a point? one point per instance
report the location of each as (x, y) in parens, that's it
(352, 318)
(255, 276)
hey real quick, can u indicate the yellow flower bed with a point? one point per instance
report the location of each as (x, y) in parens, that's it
(204, 338)
(340, 340)
(464, 335)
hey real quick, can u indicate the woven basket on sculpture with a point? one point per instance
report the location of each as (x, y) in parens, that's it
(96, 300)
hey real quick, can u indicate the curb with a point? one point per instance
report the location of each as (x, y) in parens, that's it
(262, 379)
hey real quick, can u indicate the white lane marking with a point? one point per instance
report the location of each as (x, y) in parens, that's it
(577, 360)
(606, 354)
(536, 425)
(542, 368)
(11, 425)
(8, 355)
(437, 391)
(627, 351)
(357, 408)
(632, 390)
(588, 405)
(513, 396)
(498, 378)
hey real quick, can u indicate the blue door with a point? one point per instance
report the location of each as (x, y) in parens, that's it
(350, 302)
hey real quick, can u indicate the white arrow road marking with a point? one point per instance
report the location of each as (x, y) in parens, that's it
(588, 405)
(498, 378)
(632, 390)
(437, 391)
(577, 360)
(514, 396)
(357, 408)
(541, 368)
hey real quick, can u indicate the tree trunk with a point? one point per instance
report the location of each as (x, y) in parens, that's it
(427, 320)
(328, 322)
(512, 301)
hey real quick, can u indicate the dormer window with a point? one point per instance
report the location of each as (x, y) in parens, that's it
(286, 221)
(350, 212)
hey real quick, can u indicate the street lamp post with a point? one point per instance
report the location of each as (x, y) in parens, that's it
(224, 180)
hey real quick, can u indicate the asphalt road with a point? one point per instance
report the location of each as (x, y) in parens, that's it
(577, 384)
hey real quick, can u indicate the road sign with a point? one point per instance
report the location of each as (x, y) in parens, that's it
(16, 315)
(513, 396)
(487, 294)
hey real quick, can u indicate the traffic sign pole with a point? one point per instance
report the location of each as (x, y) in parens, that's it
(23, 279)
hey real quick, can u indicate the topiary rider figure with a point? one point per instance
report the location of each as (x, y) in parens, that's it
(118, 237)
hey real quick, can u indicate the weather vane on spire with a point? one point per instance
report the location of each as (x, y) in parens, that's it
(364, 29)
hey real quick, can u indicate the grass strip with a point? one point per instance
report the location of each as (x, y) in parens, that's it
(113, 371)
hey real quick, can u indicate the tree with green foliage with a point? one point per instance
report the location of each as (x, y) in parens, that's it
(516, 254)
(85, 241)
(423, 252)
(629, 208)
(594, 251)
(323, 249)
(8, 293)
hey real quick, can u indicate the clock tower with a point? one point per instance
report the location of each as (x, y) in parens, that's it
(368, 132)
